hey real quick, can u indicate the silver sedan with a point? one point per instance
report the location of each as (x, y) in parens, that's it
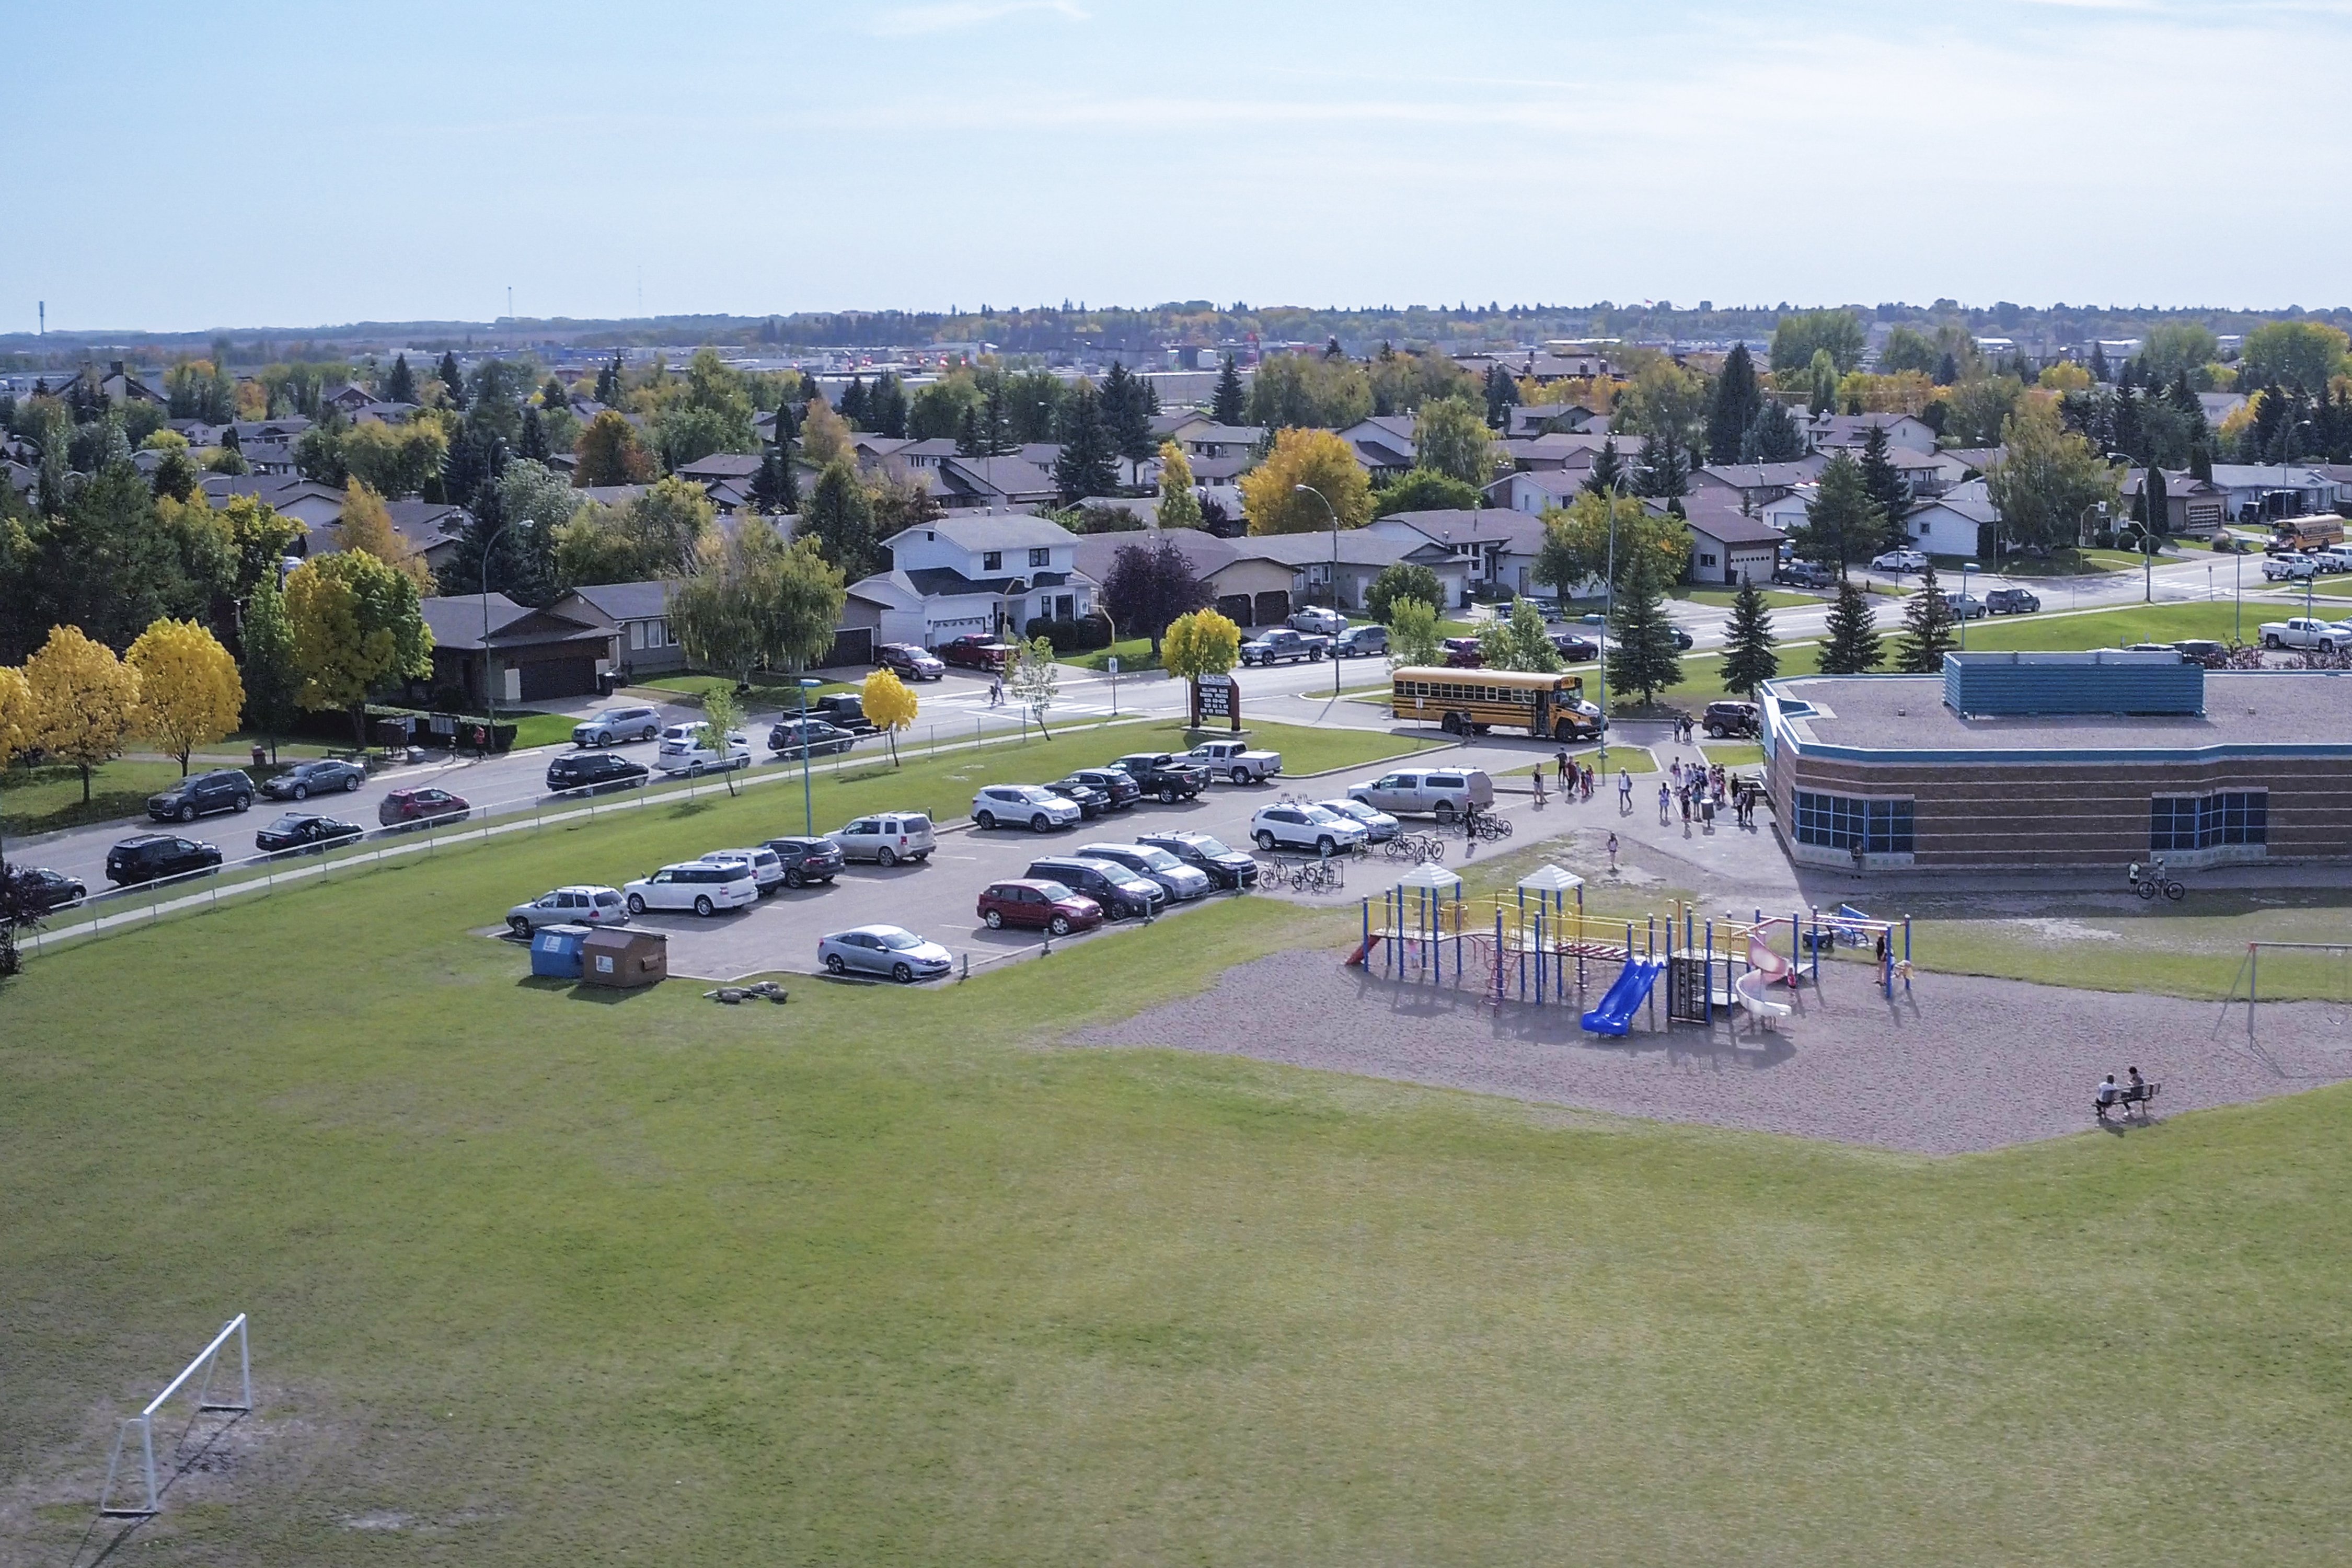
(887, 951)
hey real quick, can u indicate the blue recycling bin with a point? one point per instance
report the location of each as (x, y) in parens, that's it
(555, 951)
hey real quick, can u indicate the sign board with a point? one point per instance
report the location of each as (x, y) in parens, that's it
(1112, 663)
(1216, 697)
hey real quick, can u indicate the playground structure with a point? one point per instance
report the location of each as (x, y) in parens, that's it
(1531, 943)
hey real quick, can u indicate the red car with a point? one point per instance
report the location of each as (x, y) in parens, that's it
(976, 652)
(1464, 653)
(1048, 906)
(404, 806)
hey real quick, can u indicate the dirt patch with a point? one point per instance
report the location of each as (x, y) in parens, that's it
(1961, 1063)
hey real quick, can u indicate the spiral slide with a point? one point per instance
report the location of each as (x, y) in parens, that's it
(1764, 967)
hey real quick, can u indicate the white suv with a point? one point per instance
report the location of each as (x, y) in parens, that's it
(704, 887)
(615, 726)
(767, 865)
(2290, 567)
(683, 752)
(1293, 826)
(1014, 804)
(1900, 561)
(886, 839)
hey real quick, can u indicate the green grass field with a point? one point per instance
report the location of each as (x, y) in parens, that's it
(767, 693)
(883, 1276)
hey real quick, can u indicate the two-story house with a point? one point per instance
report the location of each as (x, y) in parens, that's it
(991, 573)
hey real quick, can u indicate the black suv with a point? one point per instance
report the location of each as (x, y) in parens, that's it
(44, 890)
(1122, 893)
(2011, 601)
(1226, 867)
(1805, 575)
(1091, 800)
(152, 856)
(225, 789)
(595, 772)
(807, 860)
(1117, 782)
(1722, 719)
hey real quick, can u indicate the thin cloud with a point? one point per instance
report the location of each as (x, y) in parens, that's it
(912, 21)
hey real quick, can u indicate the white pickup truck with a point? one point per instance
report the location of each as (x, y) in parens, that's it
(2304, 631)
(1233, 760)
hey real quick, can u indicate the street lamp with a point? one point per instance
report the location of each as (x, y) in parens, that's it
(808, 806)
(1113, 661)
(1608, 616)
(1966, 567)
(1328, 506)
(489, 673)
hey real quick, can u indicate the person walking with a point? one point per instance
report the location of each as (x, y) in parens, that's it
(1539, 786)
(1612, 854)
(1686, 799)
(1665, 805)
(1564, 770)
(1624, 793)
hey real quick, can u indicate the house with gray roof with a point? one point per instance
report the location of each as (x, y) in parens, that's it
(637, 615)
(533, 656)
(1356, 555)
(1495, 546)
(1728, 545)
(991, 573)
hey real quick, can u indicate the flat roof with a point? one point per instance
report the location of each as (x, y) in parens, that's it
(1902, 718)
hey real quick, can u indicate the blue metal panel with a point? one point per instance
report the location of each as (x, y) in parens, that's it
(555, 951)
(2104, 680)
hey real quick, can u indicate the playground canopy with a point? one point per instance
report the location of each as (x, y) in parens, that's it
(1435, 879)
(1549, 879)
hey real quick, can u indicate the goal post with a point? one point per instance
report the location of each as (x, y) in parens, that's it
(207, 1362)
(2249, 976)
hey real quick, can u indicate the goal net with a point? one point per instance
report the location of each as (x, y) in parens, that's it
(199, 1377)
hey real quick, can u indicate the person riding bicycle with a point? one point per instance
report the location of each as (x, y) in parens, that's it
(1470, 818)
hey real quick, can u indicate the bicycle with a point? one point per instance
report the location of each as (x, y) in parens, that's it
(1488, 827)
(2149, 883)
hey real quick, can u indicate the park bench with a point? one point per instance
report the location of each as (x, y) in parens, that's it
(2139, 1094)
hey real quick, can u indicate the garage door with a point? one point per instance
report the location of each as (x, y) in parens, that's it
(1235, 607)
(1273, 608)
(559, 678)
(851, 645)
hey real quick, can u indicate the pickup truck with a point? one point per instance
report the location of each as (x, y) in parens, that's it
(2304, 631)
(1234, 761)
(2290, 567)
(1162, 773)
(1282, 645)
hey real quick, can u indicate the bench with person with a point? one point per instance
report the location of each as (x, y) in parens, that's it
(2113, 1096)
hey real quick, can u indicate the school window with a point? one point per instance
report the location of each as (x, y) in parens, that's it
(991, 561)
(1041, 557)
(1841, 821)
(2205, 821)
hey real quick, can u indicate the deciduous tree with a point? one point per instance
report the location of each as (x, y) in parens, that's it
(610, 453)
(356, 623)
(1322, 462)
(394, 459)
(16, 713)
(1203, 643)
(1412, 633)
(189, 694)
(1425, 490)
(1518, 641)
(84, 700)
(1303, 391)
(2045, 481)
(2307, 354)
(1034, 679)
(1452, 439)
(825, 438)
(1797, 338)
(890, 706)
(366, 526)
(1179, 507)
(271, 675)
(1402, 580)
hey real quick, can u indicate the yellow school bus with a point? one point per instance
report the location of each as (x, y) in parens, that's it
(1472, 701)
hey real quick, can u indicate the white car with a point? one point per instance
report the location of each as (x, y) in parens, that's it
(580, 906)
(704, 887)
(1320, 619)
(1294, 825)
(767, 865)
(2290, 567)
(893, 950)
(1379, 825)
(1030, 805)
(682, 751)
(1899, 560)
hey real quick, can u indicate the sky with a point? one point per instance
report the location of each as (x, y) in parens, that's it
(179, 168)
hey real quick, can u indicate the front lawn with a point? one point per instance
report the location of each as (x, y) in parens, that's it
(1721, 599)
(47, 798)
(1134, 654)
(767, 692)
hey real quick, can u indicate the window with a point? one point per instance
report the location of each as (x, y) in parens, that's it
(1841, 822)
(991, 561)
(1705, 560)
(1041, 557)
(2204, 821)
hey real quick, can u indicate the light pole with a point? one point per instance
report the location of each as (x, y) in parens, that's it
(489, 673)
(1328, 506)
(1113, 661)
(808, 806)
(1608, 615)
(1966, 567)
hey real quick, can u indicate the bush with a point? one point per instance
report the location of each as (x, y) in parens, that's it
(1071, 637)
(450, 699)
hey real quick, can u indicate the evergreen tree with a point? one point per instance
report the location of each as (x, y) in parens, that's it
(1927, 629)
(400, 386)
(608, 381)
(1127, 414)
(2201, 462)
(1884, 487)
(1231, 405)
(453, 386)
(2098, 361)
(1502, 396)
(2126, 433)
(840, 517)
(2155, 504)
(1843, 524)
(1947, 369)
(1663, 474)
(1086, 466)
(1852, 647)
(1643, 658)
(1773, 437)
(553, 394)
(968, 434)
(774, 478)
(1607, 475)
(531, 441)
(1749, 656)
(886, 407)
(1735, 408)
(852, 404)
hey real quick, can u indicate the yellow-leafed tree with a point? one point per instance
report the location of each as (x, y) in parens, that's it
(16, 713)
(367, 525)
(356, 622)
(84, 700)
(1320, 461)
(890, 706)
(190, 694)
(1203, 643)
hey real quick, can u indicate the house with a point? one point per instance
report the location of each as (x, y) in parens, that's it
(1962, 521)
(432, 528)
(374, 412)
(1496, 546)
(1754, 484)
(2261, 492)
(1554, 361)
(725, 477)
(1544, 418)
(350, 397)
(314, 506)
(637, 615)
(2191, 506)
(989, 572)
(538, 656)
(1214, 440)
(1012, 483)
(119, 385)
(1788, 513)
(1536, 491)
(1728, 545)
(1384, 444)
(1361, 555)
(2219, 406)
(1250, 588)
(1826, 432)
(269, 457)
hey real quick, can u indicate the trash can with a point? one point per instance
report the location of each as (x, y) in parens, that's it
(608, 682)
(260, 756)
(555, 950)
(624, 958)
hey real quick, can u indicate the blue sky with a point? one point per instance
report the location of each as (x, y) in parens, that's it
(178, 167)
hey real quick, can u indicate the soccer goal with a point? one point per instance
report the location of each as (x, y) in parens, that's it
(208, 1362)
(2327, 972)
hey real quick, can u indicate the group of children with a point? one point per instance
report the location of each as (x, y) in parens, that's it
(1703, 789)
(1576, 780)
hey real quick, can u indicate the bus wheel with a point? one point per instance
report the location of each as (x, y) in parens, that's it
(1451, 724)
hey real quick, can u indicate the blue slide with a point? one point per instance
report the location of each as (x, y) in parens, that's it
(1615, 1013)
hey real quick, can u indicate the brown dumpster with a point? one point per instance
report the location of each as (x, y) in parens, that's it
(620, 957)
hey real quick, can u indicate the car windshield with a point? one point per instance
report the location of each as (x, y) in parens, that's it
(1158, 860)
(1344, 808)
(1318, 813)
(897, 941)
(1055, 892)
(1207, 846)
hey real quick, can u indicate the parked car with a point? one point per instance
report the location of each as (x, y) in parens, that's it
(1122, 894)
(304, 779)
(2335, 558)
(1283, 646)
(767, 865)
(1575, 649)
(1442, 792)
(1682, 638)
(822, 737)
(201, 794)
(1464, 653)
(1379, 825)
(1226, 867)
(683, 751)
(2011, 602)
(891, 950)
(843, 710)
(407, 807)
(1091, 802)
(1320, 619)
(618, 726)
(909, 662)
(1725, 719)
(2291, 568)
(1292, 824)
(1360, 642)
(2214, 654)
(1115, 783)
(298, 830)
(149, 856)
(1900, 561)
(1235, 760)
(2306, 632)
(1164, 775)
(584, 905)
(974, 651)
(697, 885)
(1804, 574)
(1183, 883)
(42, 890)
(807, 860)
(1038, 904)
(887, 838)
(1030, 805)
(594, 772)
(1964, 606)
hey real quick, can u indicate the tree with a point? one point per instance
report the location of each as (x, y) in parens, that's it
(1502, 395)
(1520, 641)
(1975, 412)
(1127, 415)
(1148, 587)
(840, 517)
(722, 716)
(1643, 657)
(18, 712)
(272, 682)
(1086, 466)
(1906, 348)
(1412, 633)
(1734, 408)
(1230, 403)
(776, 489)
(1842, 525)
(825, 438)
(104, 564)
(318, 457)
(84, 700)
(611, 454)
(2045, 481)
(2155, 504)
(1852, 646)
(1304, 391)
(1797, 338)
(1179, 507)
(1035, 678)
(531, 439)
(189, 694)
(356, 623)
(1663, 474)
(1608, 476)
(1322, 462)
(1880, 481)
(1203, 643)
(453, 386)
(2308, 354)
(366, 525)
(399, 383)
(1773, 437)
(1576, 550)
(1425, 490)
(890, 706)
(1825, 377)
(1665, 403)
(1927, 629)
(1402, 580)
(394, 459)
(1453, 440)
(1750, 658)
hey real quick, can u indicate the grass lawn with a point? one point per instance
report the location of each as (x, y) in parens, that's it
(1732, 754)
(1134, 654)
(45, 799)
(766, 693)
(878, 1278)
(1774, 598)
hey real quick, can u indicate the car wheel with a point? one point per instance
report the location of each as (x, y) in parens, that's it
(832, 964)
(703, 906)
(903, 974)
(188, 812)
(993, 919)
(637, 904)
(1241, 776)
(1168, 794)
(302, 792)
(1324, 847)
(1059, 925)
(1445, 813)
(244, 801)
(2267, 642)
(520, 926)
(1265, 840)
(885, 858)
(351, 784)
(792, 878)
(987, 821)
(1040, 822)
